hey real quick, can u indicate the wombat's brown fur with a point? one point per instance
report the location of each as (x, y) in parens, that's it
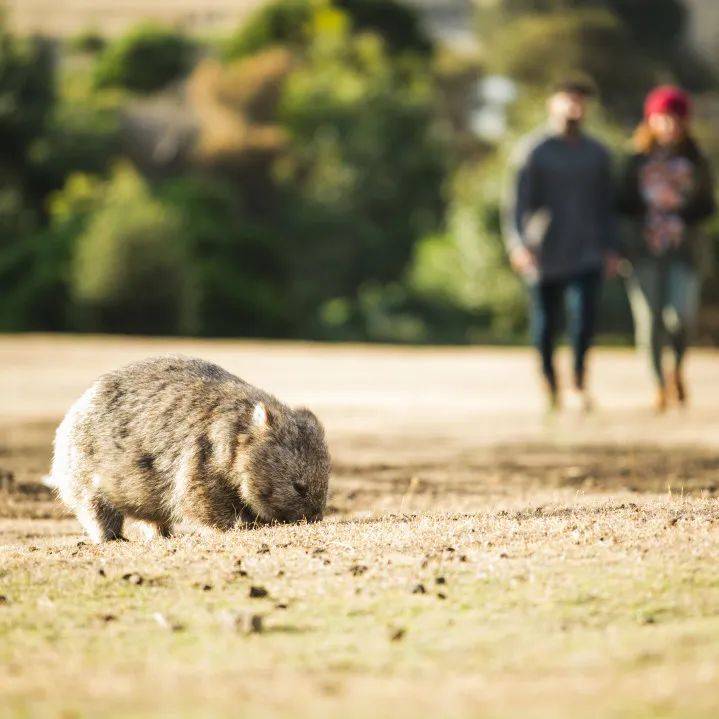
(171, 438)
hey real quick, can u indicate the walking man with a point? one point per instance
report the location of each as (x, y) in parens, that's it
(560, 232)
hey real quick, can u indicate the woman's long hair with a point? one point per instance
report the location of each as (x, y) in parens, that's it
(645, 142)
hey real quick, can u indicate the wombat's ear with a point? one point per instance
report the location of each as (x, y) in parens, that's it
(305, 415)
(260, 418)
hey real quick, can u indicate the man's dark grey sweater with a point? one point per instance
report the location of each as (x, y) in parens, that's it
(560, 205)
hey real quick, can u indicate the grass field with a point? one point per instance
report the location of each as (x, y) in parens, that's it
(479, 559)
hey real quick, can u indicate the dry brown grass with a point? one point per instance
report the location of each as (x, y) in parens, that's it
(568, 568)
(558, 606)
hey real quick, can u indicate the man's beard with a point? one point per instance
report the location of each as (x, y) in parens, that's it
(572, 126)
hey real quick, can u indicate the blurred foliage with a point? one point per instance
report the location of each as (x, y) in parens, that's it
(129, 271)
(318, 177)
(236, 107)
(77, 138)
(659, 30)
(465, 266)
(237, 278)
(295, 23)
(338, 154)
(283, 22)
(26, 96)
(145, 59)
(34, 281)
(647, 44)
(365, 162)
(397, 24)
(88, 41)
(539, 50)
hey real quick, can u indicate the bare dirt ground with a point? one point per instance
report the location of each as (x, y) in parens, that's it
(479, 557)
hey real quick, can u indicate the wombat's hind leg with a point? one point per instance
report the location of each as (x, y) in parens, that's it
(152, 530)
(100, 519)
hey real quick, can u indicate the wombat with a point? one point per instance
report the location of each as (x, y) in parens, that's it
(172, 438)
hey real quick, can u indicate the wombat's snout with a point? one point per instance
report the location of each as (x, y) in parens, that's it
(299, 516)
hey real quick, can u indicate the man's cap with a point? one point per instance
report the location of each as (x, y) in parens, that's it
(577, 85)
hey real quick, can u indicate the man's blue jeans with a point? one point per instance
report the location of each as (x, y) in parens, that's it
(548, 297)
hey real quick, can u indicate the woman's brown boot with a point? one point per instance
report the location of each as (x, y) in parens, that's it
(677, 387)
(660, 401)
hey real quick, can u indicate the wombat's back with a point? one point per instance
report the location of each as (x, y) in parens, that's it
(156, 406)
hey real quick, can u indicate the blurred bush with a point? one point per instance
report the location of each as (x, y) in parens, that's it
(294, 23)
(236, 107)
(338, 155)
(282, 22)
(88, 41)
(647, 46)
(130, 271)
(33, 278)
(657, 31)
(366, 164)
(254, 85)
(145, 59)
(380, 313)
(77, 138)
(539, 49)
(28, 93)
(397, 24)
(237, 275)
(465, 266)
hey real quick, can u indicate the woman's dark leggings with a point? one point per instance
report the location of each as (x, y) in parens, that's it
(581, 293)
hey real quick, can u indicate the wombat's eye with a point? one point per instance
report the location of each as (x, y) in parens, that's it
(300, 487)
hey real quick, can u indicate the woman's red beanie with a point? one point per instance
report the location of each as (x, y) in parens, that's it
(667, 100)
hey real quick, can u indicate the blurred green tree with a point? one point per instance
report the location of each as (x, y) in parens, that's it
(27, 93)
(145, 59)
(336, 154)
(239, 134)
(281, 22)
(397, 24)
(362, 178)
(236, 268)
(659, 29)
(540, 49)
(293, 23)
(89, 41)
(655, 29)
(78, 137)
(465, 266)
(130, 270)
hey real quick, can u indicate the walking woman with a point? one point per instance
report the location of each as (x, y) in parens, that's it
(667, 191)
